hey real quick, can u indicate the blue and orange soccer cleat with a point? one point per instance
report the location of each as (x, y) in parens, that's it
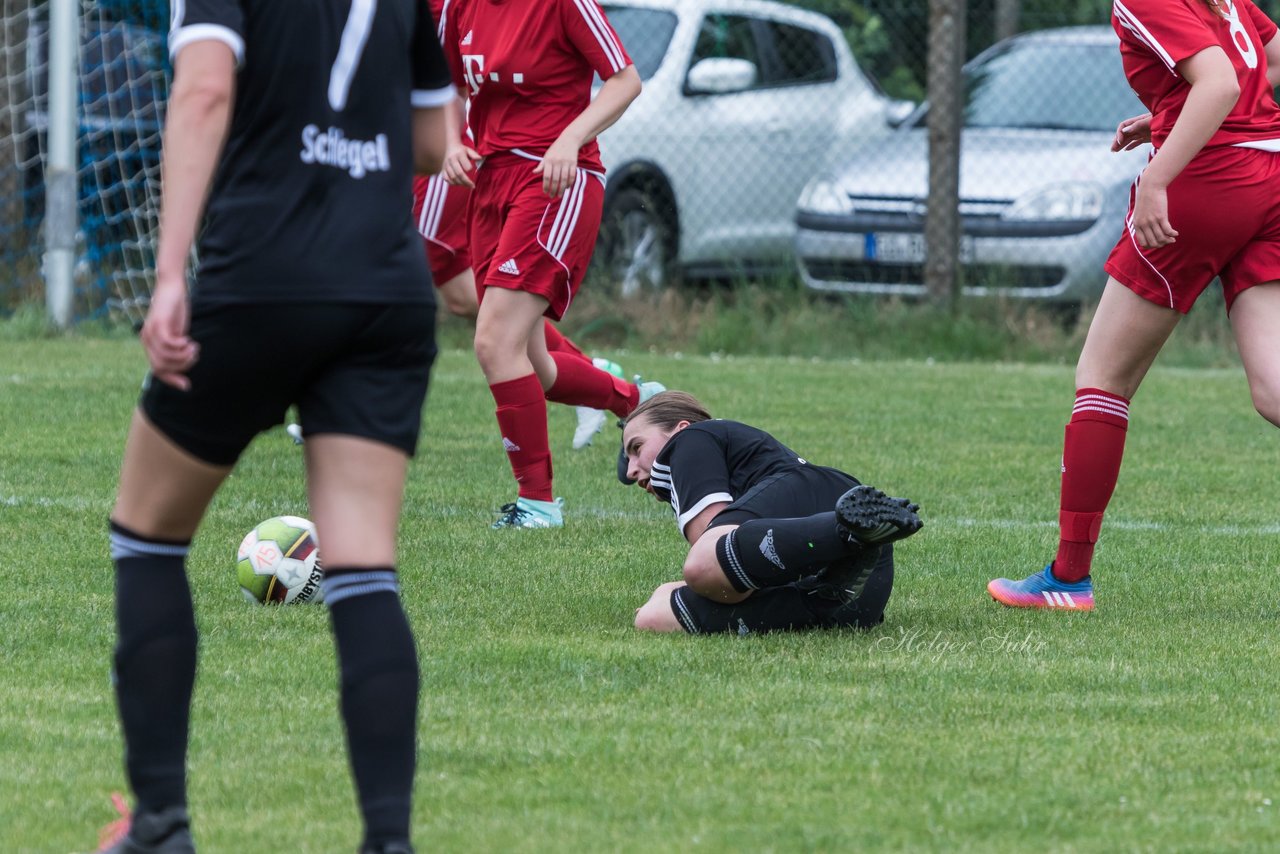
(1043, 590)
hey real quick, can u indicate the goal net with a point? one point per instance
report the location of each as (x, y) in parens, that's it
(122, 82)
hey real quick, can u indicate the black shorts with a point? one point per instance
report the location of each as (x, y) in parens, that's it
(801, 491)
(350, 368)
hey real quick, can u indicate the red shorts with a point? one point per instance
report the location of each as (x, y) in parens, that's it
(522, 239)
(440, 213)
(1225, 206)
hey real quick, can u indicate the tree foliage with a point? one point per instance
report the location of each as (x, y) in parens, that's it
(889, 36)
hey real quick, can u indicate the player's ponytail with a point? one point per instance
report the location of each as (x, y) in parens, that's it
(666, 409)
(1215, 8)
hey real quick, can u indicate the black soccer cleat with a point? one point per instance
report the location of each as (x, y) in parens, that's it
(868, 517)
(165, 832)
(399, 847)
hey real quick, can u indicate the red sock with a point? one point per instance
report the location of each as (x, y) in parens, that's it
(1091, 458)
(580, 383)
(522, 418)
(557, 343)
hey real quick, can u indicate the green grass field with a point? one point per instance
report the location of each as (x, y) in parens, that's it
(548, 724)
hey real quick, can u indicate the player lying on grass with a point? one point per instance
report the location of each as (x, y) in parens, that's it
(775, 542)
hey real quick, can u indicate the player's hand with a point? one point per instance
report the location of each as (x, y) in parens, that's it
(558, 167)
(1132, 132)
(1151, 226)
(170, 350)
(459, 159)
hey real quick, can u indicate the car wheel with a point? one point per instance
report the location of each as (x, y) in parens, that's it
(636, 252)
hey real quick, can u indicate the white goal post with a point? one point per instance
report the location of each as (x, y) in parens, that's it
(81, 107)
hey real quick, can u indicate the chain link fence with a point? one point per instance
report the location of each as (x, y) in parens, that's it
(122, 89)
(772, 140)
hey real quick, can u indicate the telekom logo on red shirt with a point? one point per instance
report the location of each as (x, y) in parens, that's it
(473, 70)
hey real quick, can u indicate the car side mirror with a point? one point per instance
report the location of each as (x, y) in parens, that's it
(896, 112)
(718, 76)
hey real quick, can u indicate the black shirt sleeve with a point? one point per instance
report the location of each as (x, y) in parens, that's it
(432, 82)
(202, 20)
(699, 473)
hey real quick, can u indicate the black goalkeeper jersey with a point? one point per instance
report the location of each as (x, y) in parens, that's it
(714, 461)
(312, 198)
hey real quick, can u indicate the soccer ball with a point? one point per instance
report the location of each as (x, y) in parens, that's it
(278, 562)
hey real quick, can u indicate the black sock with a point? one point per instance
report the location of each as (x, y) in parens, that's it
(867, 610)
(378, 666)
(776, 609)
(155, 665)
(772, 552)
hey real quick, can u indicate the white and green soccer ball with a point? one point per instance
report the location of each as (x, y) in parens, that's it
(279, 562)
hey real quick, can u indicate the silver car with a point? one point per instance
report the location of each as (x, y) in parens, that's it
(1042, 197)
(743, 101)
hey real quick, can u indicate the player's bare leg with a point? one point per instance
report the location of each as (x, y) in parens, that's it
(1124, 339)
(355, 488)
(164, 491)
(511, 347)
(1255, 319)
(504, 327)
(459, 294)
(702, 568)
(656, 614)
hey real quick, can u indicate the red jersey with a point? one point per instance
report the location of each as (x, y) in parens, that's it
(528, 66)
(1157, 34)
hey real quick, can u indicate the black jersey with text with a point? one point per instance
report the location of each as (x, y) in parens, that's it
(312, 197)
(715, 461)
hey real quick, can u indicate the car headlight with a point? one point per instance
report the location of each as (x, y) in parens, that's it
(1079, 202)
(823, 195)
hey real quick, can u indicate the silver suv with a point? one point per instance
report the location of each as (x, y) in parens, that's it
(743, 101)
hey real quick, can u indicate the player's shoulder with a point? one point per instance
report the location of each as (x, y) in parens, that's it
(693, 438)
(1167, 10)
(724, 430)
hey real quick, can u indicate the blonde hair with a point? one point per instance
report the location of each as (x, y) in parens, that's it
(666, 409)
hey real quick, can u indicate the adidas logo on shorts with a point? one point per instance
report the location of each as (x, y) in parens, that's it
(510, 268)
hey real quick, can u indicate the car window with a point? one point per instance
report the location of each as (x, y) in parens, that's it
(1050, 85)
(645, 33)
(726, 37)
(801, 56)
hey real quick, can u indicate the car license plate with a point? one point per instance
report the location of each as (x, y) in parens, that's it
(904, 247)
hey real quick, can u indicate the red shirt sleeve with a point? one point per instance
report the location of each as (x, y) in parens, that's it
(591, 33)
(1172, 31)
(1265, 26)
